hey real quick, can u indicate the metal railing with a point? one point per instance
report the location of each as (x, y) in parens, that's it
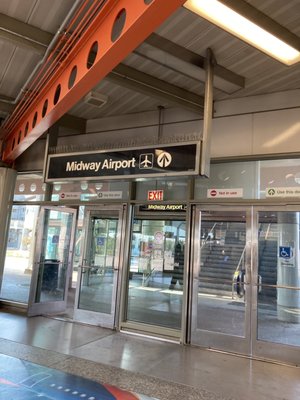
(208, 236)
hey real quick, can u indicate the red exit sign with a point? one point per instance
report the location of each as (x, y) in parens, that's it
(154, 195)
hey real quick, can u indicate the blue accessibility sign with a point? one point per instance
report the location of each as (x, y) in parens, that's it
(100, 241)
(285, 252)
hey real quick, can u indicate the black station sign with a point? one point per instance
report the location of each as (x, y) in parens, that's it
(172, 160)
(163, 207)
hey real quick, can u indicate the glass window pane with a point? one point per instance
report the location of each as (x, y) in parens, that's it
(90, 191)
(19, 254)
(242, 176)
(279, 277)
(97, 278)
(279, 178)
(54, 257)
(29, 187)
(275, 326)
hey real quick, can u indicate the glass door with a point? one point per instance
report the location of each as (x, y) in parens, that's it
(20, 253)
(53, 261)
(96, 294)
(156, 278)
(221, 279)
(276, 326)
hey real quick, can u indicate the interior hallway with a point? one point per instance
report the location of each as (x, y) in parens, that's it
(163, 370)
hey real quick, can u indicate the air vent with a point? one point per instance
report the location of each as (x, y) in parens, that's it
(95, 99)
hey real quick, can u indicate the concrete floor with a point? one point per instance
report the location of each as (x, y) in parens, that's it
(163, 370)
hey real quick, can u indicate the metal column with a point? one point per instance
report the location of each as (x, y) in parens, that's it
(7, 184)
(208, 112)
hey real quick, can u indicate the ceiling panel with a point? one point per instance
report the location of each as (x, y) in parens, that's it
(164, 73)
(19, 66)
(263, 74)
(120, 101)
(19, 9)
(44, 14)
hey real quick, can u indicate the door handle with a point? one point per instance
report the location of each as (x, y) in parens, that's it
(259, 283)
(239, 283)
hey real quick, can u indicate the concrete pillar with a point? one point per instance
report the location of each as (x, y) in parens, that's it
(7, 185)
(288, 271)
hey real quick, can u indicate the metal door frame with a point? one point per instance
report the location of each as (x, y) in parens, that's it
(51, 307)
(263, 349)
(210, 339)
(140, 327)
(93, 317)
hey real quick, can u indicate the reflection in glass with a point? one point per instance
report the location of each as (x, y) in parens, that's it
(90, 192)
(273, 329)
(156, 272)
(54, 256)
(19, 254)
(279, 277)
(243, 175)
(97, 276)
(33, 187)
(29, 188)
(79, 240)
(221, 303)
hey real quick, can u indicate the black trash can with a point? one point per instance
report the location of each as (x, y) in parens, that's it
(50, 274)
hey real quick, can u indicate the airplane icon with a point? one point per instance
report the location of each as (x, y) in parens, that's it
(146, 161)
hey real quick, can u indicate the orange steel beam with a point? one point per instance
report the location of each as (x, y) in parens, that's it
(115, 31)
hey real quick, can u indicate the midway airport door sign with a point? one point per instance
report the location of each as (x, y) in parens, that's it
(172, 160)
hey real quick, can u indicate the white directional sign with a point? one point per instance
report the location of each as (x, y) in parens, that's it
(116, 194)
(283, 192)
(223, 193)
(164, 159)
(69, 195)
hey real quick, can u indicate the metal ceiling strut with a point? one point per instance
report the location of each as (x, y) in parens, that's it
(100, 35)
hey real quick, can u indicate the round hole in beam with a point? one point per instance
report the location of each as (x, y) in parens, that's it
(34, 119)
(118, 25)
(147, 2)
(26, 128)
(72, 77)
(45, 108)
(92, 55)
(19, 137)
(57, 94)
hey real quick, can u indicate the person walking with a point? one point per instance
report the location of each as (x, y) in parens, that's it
(178, 267)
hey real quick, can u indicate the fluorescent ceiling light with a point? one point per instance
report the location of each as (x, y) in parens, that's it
(233, 22)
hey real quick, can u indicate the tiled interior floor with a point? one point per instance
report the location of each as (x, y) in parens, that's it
(164, 370)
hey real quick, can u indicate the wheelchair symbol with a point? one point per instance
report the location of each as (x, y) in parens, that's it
(285, 252)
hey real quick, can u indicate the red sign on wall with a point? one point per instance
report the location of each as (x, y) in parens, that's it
(155, 195)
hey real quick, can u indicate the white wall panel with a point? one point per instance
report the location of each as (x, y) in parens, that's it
(248, 134)
(239, 135)
(139, 119)
(138, 129)
(276, 132)
(254, 104)
(232, 136)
